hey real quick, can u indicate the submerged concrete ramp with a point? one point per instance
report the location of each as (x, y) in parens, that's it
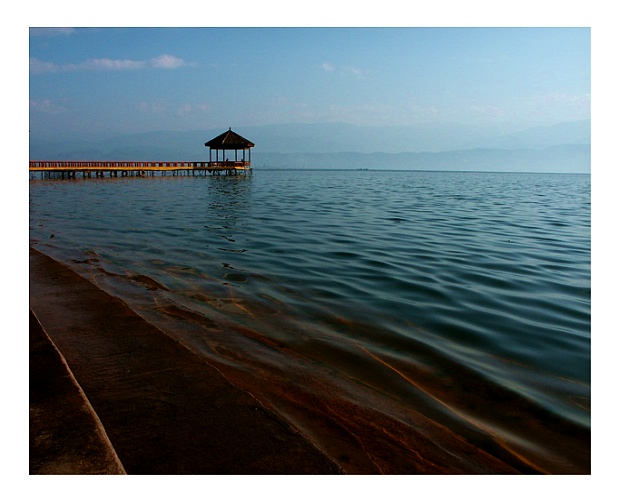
(164, 409)
(66, 436)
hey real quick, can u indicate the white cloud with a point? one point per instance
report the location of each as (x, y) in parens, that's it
(353, 70)
(38, 66)
(556, 107)
(188, 109)
(46, 107)
(152, 108)
(346, 69)
(488, 112)
(566, 98)
(51, 32)
(109, 64)
(415, 113)
(184, 110)
(165, 61)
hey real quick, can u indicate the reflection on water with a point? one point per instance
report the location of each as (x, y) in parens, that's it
(383, 308)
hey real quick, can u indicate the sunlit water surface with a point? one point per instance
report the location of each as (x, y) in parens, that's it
(463, 296)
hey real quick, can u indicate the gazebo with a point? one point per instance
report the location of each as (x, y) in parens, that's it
(229, 141)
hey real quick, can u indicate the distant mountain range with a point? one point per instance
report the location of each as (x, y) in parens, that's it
(563, 147)
(572, 158)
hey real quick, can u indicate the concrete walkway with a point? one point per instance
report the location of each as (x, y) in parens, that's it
(163, 409)
(66, 436)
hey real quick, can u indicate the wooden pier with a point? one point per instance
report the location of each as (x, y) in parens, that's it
(227, 141)
(100, 169)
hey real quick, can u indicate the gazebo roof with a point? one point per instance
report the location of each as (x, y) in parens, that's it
(229, 140)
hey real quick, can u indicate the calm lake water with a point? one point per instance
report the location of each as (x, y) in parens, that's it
(463, 298)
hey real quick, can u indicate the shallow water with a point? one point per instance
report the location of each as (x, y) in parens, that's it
(460, 298)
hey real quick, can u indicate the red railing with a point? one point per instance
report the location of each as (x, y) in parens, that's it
(135, 165)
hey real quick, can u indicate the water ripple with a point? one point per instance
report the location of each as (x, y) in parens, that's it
(475, 285)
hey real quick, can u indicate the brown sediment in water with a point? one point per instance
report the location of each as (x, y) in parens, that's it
(167, 410)
(164, 410)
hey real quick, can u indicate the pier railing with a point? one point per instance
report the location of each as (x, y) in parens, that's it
(228, 164)
(131, 168)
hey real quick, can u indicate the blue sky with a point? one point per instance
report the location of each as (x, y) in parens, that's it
(99, 81)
